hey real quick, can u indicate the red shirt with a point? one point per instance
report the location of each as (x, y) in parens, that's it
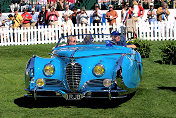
(72, 1)
(140, 9)
(26, 15)
(54, 1)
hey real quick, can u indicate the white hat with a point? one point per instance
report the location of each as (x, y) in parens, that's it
(151, 4)
(32, 9)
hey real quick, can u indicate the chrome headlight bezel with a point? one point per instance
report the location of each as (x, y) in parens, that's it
(107, 82)
(98, 75)
(47, 74)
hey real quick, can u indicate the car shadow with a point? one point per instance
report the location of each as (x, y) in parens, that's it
(61, 102)
(168, 88)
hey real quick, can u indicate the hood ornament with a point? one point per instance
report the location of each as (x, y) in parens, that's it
(72, 63)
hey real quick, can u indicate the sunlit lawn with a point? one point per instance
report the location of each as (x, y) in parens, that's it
(156, 96)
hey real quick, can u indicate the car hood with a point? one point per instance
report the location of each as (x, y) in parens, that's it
(91, 50)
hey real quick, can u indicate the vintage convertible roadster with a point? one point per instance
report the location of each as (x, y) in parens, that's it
(84, 71)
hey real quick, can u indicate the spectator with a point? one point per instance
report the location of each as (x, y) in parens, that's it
(73, 16)
(10, 23)
(67, 24)
(135, 12)
(26, 18)
(3, 19)
(162, 12)
(34, 18)
(53, 17)
(96, 15)
(59, 5)
(52, 1)
(17, 18)
(124, 13)
(151, 14)
(67, 12)
(42, 18)
(42, 3)
(145, 4)
(83, 17)
(12, 7)
(99, 3)
(111, 15)
(105, 4)
(23, 4)
(37, 7)
(157, 4)
(29, 6)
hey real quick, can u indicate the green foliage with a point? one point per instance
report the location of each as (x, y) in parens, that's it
(143, 47)
(168, 52)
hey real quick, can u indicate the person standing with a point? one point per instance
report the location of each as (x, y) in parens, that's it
(135, 11)
(3, 19)
(111, 15)
(151, 14)
(17, 18)
(162, 12)
(67, 25)
(26, 18)
(53, 17)
(42, 17)
(34, 18)
(124, 13)
(10, 23)
(96, 15)
(73, 16)
(83, 17)
(67, 11)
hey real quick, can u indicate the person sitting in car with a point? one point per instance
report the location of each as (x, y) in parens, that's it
(71, 40)
(118, 39)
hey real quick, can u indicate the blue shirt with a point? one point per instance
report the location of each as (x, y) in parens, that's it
(122, 41)
(34, 17)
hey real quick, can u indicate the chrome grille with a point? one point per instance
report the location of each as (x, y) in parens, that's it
(73, 76)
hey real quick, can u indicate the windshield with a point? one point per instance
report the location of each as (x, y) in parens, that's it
(87, 39)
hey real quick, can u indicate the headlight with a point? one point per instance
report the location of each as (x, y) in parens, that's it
(107, 82)
(49, 70)
(99, 70)
(40, 82)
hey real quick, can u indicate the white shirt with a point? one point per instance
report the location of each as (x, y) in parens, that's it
(135, 10)
(68, 12)
(83, 18)
(68, 25)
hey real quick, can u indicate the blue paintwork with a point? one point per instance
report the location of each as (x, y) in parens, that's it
(112, 57)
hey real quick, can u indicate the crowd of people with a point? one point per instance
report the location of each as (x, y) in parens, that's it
(69, 18)
(103, 4)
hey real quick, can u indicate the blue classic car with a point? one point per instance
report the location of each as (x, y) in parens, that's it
(88, 70)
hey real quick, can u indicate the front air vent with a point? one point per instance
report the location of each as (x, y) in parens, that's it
(73, 76)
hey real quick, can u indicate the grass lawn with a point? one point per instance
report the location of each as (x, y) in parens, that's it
(156, 96)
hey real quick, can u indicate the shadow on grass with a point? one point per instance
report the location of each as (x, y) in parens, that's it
(168, 88)
(158, 61)
(84, 103)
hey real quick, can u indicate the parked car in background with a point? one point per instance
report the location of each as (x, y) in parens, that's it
(88, 70)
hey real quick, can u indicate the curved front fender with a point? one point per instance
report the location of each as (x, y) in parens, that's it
(130, 72)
